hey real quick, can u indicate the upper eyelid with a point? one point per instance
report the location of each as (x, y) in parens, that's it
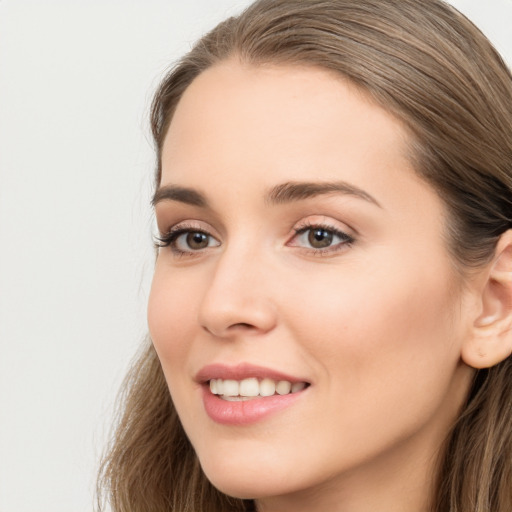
(311, 221)
(325, 221)
(189, 225)
(339, 232)
(168, 214)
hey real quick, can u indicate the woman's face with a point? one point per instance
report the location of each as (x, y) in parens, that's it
(300, 246)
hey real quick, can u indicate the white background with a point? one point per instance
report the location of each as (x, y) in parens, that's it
(76, 166)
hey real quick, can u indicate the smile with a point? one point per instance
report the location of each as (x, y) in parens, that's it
(245, 394)
(247, 389)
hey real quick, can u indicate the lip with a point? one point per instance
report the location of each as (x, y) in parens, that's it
(245, 412)
(242, 371)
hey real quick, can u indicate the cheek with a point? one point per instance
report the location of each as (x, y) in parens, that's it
(172, 320)
(170, 313)
(396, 305)
(382, 335)
(388, 356)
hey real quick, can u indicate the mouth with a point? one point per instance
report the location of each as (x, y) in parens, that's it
(251, 388)
(245, 394)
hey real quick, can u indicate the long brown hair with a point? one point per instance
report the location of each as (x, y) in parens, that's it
(433, 69)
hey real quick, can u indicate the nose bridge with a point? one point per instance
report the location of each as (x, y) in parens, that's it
(238, 294)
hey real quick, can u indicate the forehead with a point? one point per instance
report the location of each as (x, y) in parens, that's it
(279, 110)
(240, 129)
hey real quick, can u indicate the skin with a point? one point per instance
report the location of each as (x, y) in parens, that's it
(375, 326)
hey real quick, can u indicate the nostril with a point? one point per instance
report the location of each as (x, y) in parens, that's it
(241, 326)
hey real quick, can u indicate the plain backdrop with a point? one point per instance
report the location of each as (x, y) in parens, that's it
(76, 164)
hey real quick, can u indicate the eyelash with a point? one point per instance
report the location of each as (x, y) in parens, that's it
(346, 240)
(170, 238)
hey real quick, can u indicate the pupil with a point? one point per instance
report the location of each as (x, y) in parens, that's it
(319, 238)
(197, 240)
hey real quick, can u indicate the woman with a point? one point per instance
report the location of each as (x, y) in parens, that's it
(331, 308)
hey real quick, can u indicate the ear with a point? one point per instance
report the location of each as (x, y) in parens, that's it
(490, 341)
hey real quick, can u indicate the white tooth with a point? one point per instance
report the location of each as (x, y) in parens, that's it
(267, 387)
(230, 388)
(249, 387)
(283, 387)
(213, 386)
(219, 384)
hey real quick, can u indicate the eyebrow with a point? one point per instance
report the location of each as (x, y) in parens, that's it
(280, 194)
(296, 191)
(182, 194)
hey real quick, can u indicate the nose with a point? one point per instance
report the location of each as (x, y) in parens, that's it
(238, 300)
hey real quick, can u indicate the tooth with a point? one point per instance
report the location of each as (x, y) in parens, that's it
(230, 388)
(298, 386)
(267, 387)
(249, 387)
(283, 387)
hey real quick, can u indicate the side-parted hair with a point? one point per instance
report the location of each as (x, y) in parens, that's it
(430, 67)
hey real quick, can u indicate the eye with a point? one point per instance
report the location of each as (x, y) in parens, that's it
(193, 240)
(321, 238)
(183, 240)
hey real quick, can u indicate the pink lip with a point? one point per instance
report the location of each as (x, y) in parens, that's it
(244, 412)
(241, 371)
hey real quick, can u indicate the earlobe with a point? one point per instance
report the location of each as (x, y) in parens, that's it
(491, 338)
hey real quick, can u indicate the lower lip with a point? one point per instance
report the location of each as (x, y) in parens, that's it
(245, 412)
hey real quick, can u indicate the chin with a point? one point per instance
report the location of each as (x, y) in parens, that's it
(240, 490)
(244, 482)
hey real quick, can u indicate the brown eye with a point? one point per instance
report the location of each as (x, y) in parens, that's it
(320, 238)
(187, 241)
(197, 240)
(323, 240)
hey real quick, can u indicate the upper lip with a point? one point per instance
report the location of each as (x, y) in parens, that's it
(241, 371)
